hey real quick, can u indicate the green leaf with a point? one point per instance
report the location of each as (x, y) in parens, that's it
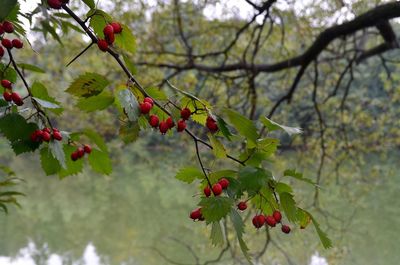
(73, 167)
(129, 132)
(297, 175)
(156, 93)
(98, 20)
(223, 127)
(244, 126)
(239, 228)
(283, 187)
(49, 164)
(6, 7)
(217, 236)
(215, 208)
(89, 3)
(56, 148)
(46, 104)
(95, 103)
(252, 179)
(39, 91)
(8, 73)
(125, 40)
(31, 67)
(216, 175)
(272, 126)
(303, 218)
(100, 162)
(325, 240)
(15, 128)
(129, 103)
(88, 85)
(189, 174)
(268, 146)
(288, 206)
(97, 139)
(218, 148)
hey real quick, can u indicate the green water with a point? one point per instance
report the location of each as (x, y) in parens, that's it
(141, 211)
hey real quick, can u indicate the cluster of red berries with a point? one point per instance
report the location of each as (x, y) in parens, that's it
(8, 27)
(109, 35)
(9, 95)
(56, 4)
(217, 188)
(80, 152)
(270, 220)
(45, 135)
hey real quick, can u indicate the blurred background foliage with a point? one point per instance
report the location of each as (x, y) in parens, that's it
(138, 215)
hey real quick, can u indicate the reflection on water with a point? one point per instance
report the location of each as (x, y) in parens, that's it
(26, 257)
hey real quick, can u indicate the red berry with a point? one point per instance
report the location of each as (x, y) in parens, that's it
(217, 189)
(181, 125)
(46, 136)
(145, 107)
(110, 38)
(163, 127)
(196, 214)
(108, 30)
(8, 27)
(80, 151)
(17, 99)
(185, 113)
(207, 191)
(1, 29)
(224, 183)
(1, 52)
(270, 221)
(46, 130)
(74, 156)
(242, 206)
(17, 43)
(56, 4)
(7, 96)
(117, 27)
(6, 84)
(57, 136)
(277, 216)
(102, 44)
(211, 124)
(149, 100)
(87, 149)
(154, 120)
(36, 136)
(7, 43)
(170, 123)
(285, 229)
(258, 220)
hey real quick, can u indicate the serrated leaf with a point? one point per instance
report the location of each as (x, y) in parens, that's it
(88, 85)
(217, 236)
(15, 128)
(268, 146)
(49, 164)
(46, 104)
(252, 179)
(281, 187)
(272, 126)
(189, 174)
(223, 127)
(218, 148)
(73, 167)
(156, 93)
(297, 175)
(56, 148)
(288, 206)
(89, 3)
(303, 218)
(8, 73)
(129, 104)
(325, 240)
(100, 162)
(129, 132)
(126, 40)
(244, 126)
(39, 91)
(97, 139)
(31, 67)
(98, 20)
(239, 228)
(215, 208)
(95, 103)
(6, 7)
